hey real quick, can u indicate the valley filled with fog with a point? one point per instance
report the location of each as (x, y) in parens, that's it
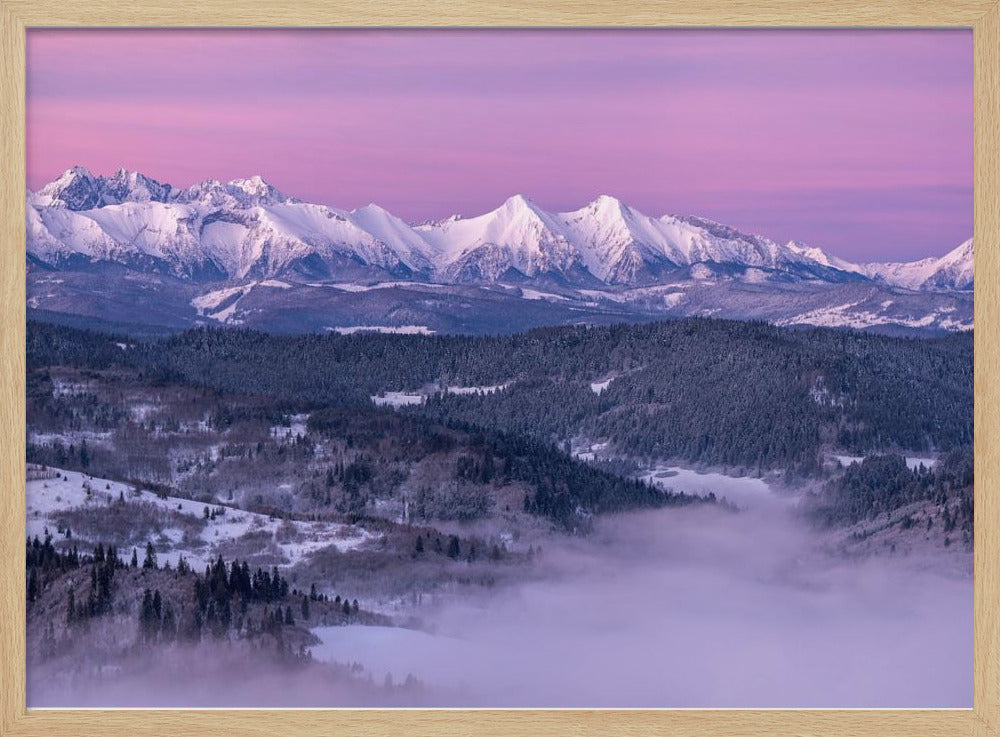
(699, 607)
(695, 513)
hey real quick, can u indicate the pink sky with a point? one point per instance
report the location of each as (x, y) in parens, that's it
(860, 142)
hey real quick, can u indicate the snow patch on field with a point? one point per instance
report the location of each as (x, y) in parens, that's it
(54, 490)
(585, 451)
(598, 387)
(389, 329)
(534, 294)
(476, 389)
(398, 399)
(847, 316)
(356, 288)
(209, 304)
(744, 491)
(419, 396)
(913, 462)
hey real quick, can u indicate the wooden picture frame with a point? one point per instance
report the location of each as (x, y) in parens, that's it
(983, 16)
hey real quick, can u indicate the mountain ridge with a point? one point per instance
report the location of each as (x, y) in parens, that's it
(126, 248)
(247, 227)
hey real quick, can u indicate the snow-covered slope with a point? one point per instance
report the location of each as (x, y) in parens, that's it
(247, 229)
(953, 271)
(621, 245)
(78, 189)
(517, 235)
(244, 228)
(52, 492)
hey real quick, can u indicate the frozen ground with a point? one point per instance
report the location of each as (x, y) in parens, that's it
(743, 491)
(389, 329)
(912, 461)
(290, 541)
(405, 398)
(598, 387)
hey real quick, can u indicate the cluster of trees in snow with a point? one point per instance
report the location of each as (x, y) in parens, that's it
(340, 461)
(228, 601)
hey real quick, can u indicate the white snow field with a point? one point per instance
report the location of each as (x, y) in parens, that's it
(743, 491)
(291, 540)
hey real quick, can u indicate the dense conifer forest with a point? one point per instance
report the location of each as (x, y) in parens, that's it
(882, 483)
(739, 394)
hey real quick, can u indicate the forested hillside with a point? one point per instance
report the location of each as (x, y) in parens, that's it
(275, 455)
(735, 393)
(880, 484)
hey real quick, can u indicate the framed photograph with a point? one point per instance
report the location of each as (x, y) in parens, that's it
(463, 370)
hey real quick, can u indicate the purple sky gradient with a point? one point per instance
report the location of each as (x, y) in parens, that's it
(860, 142)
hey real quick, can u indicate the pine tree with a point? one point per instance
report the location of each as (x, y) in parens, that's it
(135, 558)
(168, 628)
(305, 608)
(147, 622)
(150, 561)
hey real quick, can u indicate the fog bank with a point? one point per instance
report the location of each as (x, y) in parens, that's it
(694, 608)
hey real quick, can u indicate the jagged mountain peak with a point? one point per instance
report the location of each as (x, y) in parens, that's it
(372, 207)
(518, 201)
(247, 226)
(250, 192)
(256, 186)
(608, 203)
(78, 189)
(954, 270)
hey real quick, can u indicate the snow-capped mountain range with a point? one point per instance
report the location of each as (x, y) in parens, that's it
(247, 228)
(246, 231)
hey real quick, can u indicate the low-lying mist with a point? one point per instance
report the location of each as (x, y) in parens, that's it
(697, 608)
(693, 607)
